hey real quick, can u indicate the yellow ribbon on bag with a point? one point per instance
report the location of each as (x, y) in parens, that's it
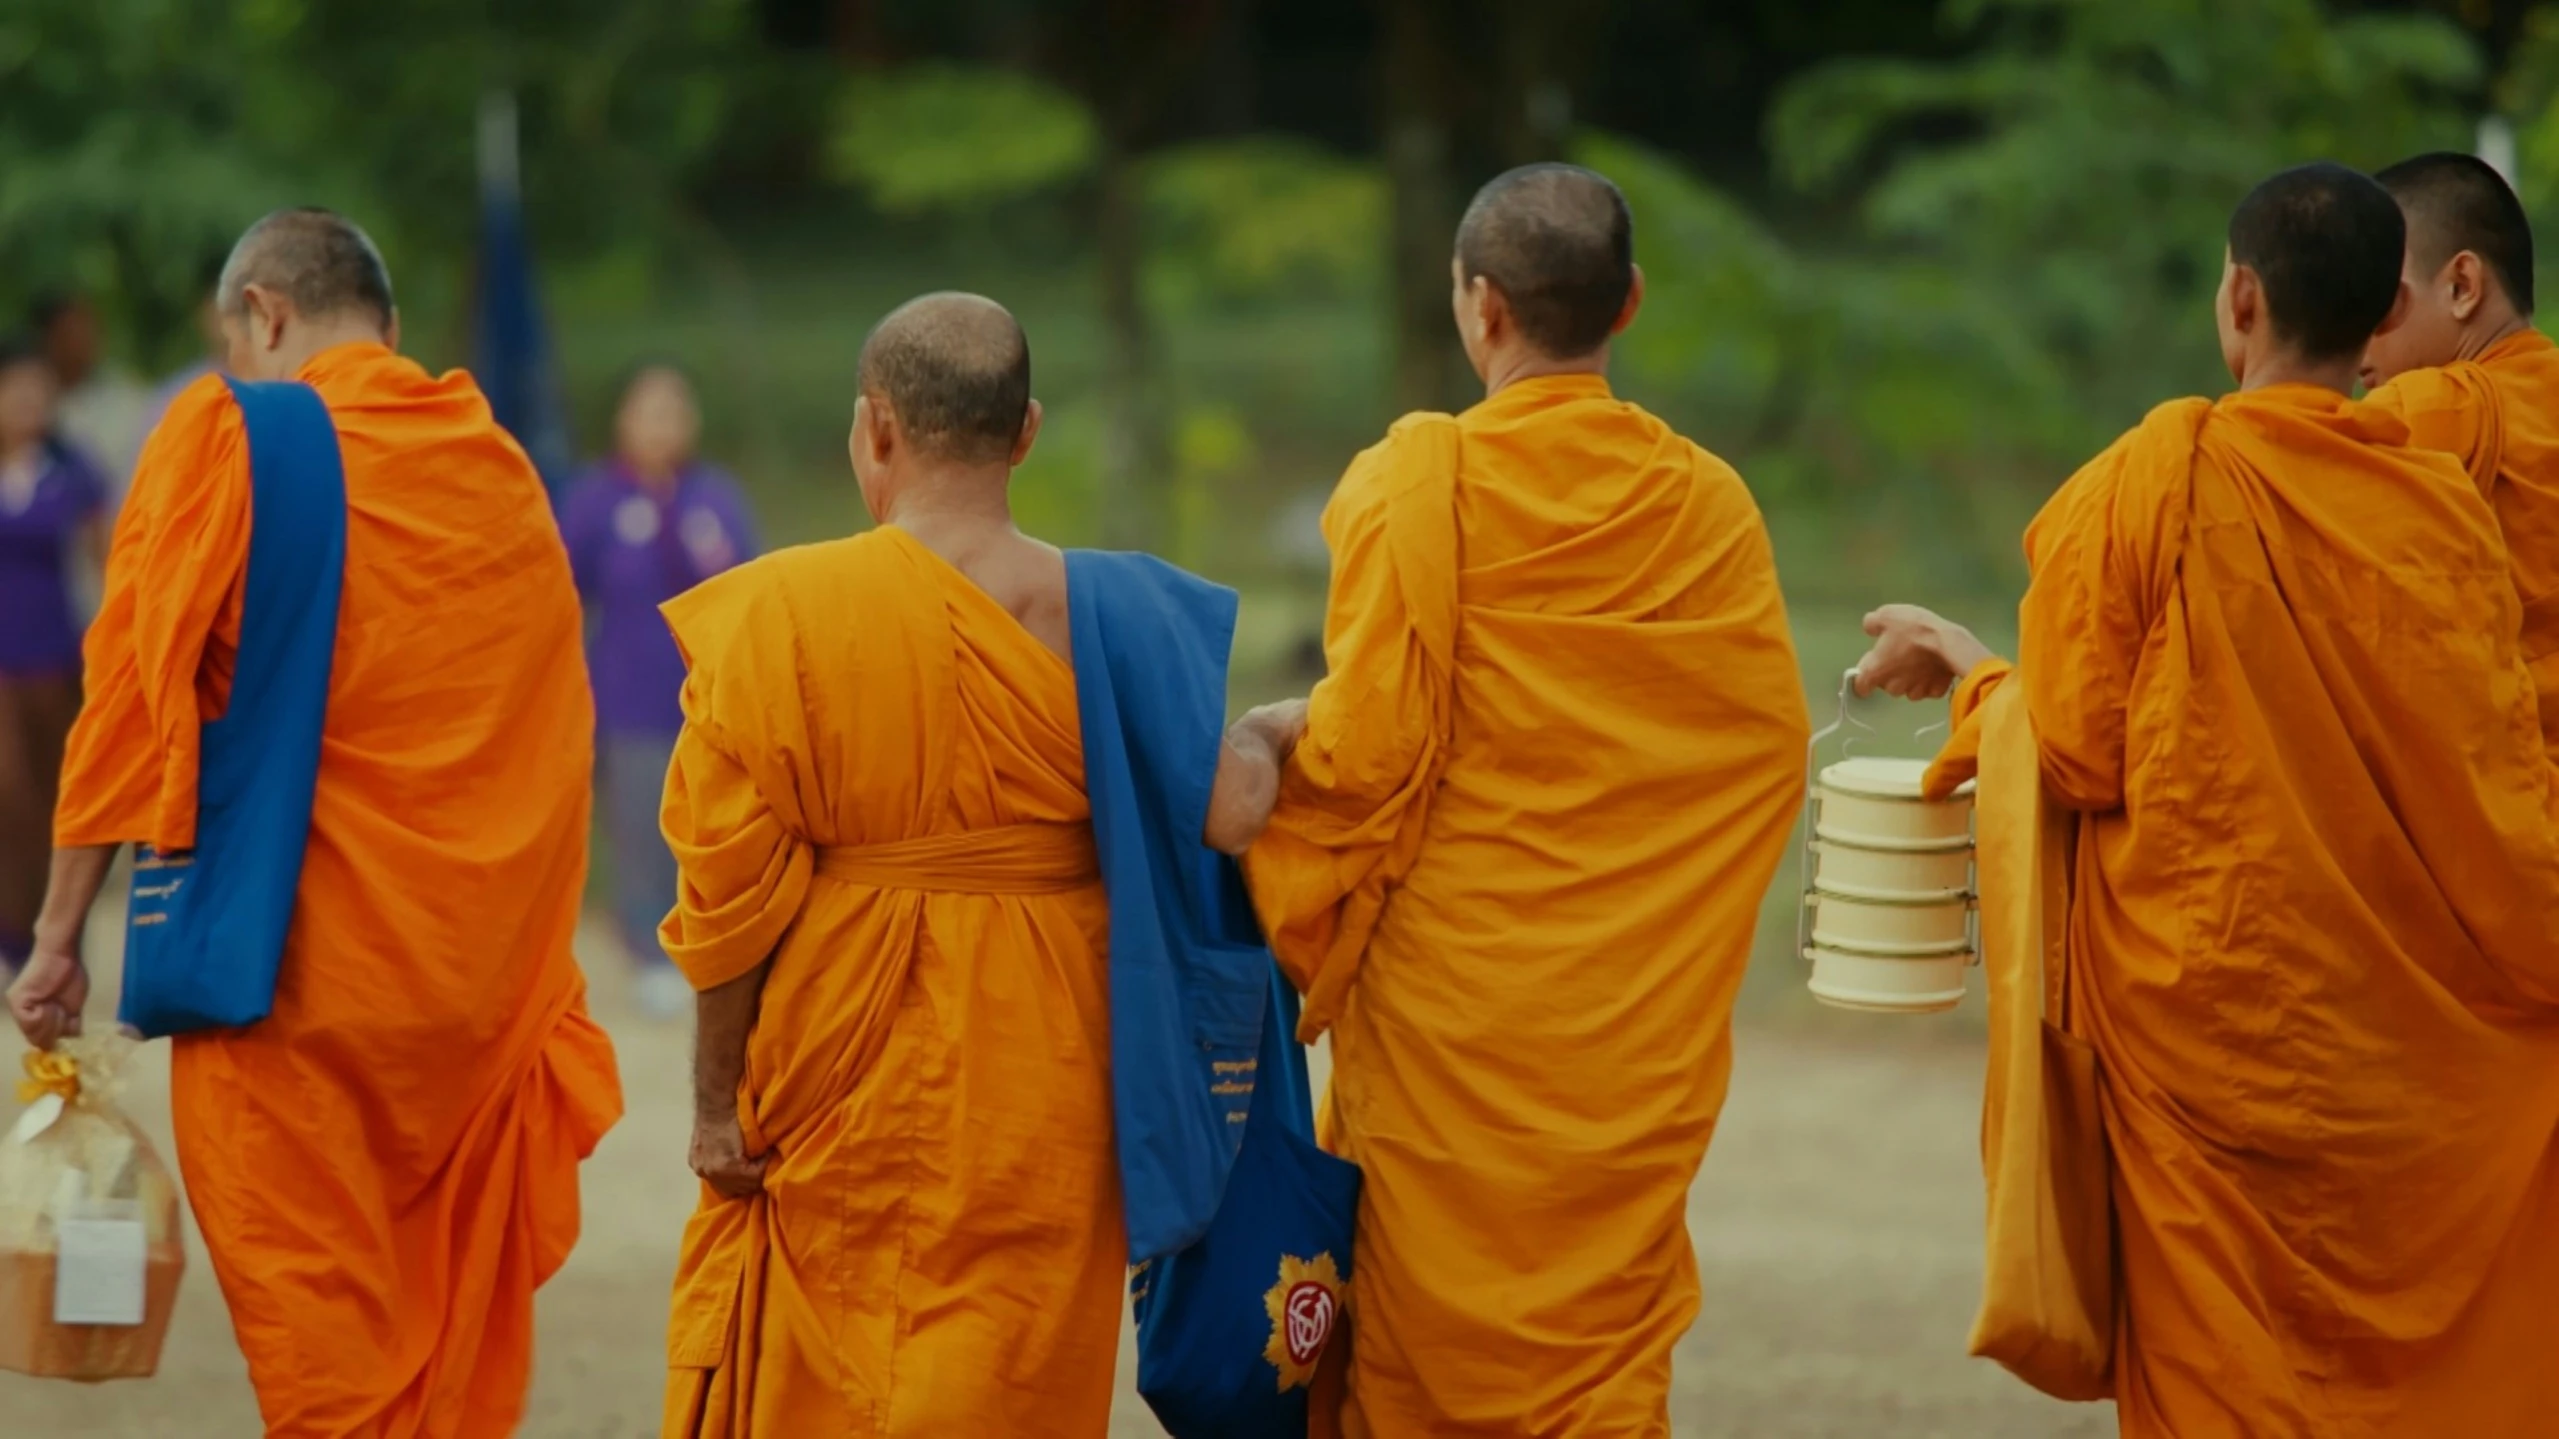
(49, 1073)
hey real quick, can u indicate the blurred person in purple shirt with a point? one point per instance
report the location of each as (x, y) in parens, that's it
(643, 527)
(52, 529)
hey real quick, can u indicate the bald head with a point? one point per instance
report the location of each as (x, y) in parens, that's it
(317, 259)
(1559, 243)
(956, 371)
(2459, 202)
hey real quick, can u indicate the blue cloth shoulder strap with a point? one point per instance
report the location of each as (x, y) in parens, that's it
(206, 929)
(1189, 974)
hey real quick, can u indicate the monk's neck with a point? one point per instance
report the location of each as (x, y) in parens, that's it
(955, 512)
(1503, 371)
(2479, 339)
(2339, 375)
(309, 342)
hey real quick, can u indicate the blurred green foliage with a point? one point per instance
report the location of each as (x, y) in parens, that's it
(137, 137)
(947, 136)
(1961, 276)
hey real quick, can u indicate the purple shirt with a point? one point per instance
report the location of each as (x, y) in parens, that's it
(39, 529)
(633, 550)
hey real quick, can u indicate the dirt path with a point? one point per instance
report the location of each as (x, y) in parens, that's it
(1837, 1225)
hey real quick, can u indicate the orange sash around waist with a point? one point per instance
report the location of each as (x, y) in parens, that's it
(1013, 859)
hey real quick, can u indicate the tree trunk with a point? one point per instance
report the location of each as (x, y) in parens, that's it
(1541, 46)
(1133, 472)
(1420, 140)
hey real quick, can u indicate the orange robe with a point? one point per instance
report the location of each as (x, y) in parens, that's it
(2499, 415)
(880, 789)
(386, 1167)
(2269, 651)
(1516, 866)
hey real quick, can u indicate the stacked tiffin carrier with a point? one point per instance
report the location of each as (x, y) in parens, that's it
(1889, 909)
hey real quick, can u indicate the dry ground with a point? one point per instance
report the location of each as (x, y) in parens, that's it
(1838, 1228)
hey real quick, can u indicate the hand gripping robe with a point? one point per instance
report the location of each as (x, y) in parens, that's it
(386, 1167)
(880, 787)
(1516, 866)
(2499, 415)
(2269, 653)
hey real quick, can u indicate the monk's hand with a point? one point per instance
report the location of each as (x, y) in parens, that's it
(1280, 725)
(720, 1157)
(50, 992)
(1917, 655)
(1246, 789)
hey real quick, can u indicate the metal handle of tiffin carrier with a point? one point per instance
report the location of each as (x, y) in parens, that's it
(1844, 719)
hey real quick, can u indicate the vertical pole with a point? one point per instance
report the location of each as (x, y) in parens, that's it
(2497, 145)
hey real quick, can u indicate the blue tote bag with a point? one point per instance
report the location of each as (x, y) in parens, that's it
(205, 929)
(1239, 1226)
(1230, 1330)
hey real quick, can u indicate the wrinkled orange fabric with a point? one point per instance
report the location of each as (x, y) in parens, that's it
(880, 788)
(2499, 415)
(2269, 651)
(386, 1167)
(1516, 866)
(2048, 1301)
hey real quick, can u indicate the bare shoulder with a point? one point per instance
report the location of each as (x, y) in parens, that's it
(1036, 582)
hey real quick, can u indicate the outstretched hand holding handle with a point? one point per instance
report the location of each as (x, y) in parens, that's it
(1918, 654)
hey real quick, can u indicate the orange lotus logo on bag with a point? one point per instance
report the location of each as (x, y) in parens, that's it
(1303, 1306)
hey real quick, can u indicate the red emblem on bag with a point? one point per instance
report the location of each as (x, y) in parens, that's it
(1303, 1306)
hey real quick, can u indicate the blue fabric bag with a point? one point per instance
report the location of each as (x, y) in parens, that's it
(205, 929)
(1239, 1226)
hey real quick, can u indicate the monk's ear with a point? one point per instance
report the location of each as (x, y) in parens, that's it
(1492, 309)
(1634, 301)
(2247, 300)
(874, 431)
(391, 332)
(2469, 276)
(1030, 434)
(262, 313)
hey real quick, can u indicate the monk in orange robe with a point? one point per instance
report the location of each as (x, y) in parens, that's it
(2472, 377)
(386, 1167)
(910, 1221)
(1521, 838)
(2270, 655)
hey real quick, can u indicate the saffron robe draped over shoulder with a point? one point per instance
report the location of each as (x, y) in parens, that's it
(2269, 650)
(1516, 867)
(2499, 415)
(386, 1167)
(880, 789)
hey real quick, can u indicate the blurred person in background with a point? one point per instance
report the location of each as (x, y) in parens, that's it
(52, 528)
(644, 526)
(208, 319)
(104, 410)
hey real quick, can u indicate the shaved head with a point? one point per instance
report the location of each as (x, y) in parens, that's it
(1559, 243)
(2459, 202)
(318, 259)
(2325, 243)
(956, 370)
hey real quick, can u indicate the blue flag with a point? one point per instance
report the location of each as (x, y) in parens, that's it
(513, 360)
